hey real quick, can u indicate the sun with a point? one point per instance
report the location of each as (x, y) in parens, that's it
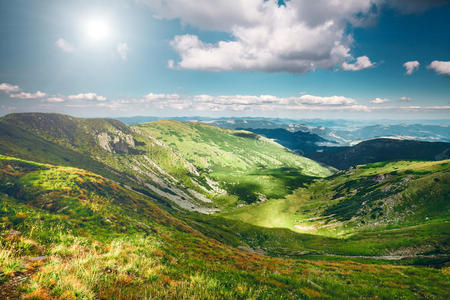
(97, 29)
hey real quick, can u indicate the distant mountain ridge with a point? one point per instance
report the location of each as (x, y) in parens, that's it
(378, 150)
(344, 132)
(298, 141)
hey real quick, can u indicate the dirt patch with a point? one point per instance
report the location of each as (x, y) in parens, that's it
(11, 288)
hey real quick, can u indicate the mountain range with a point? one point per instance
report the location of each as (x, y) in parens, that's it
(95, 208)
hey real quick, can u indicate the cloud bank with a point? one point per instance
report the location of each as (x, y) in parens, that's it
(295, 36)
(204, 104)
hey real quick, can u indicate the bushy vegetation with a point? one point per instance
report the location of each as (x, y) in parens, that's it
(77, 247)
(379, 209)
(250, 167)
(166, 159)
(107, 213)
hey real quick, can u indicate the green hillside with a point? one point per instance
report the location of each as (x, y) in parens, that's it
(70, 234)
(112, 149)
(384, 209)
(110, 211)
(248, 165)
(191, 166)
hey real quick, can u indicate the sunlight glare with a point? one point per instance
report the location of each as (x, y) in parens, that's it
(97, 29)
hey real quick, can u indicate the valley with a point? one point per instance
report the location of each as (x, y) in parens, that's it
(93, 208)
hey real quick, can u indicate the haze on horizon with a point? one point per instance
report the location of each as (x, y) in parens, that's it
(369, 59)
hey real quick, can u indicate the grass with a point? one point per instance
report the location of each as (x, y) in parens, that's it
(248, 166)
(173, 162)
(90, 255)
(379, 209)
(123, 239)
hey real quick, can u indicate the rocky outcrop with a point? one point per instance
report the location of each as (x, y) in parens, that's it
(118, 142)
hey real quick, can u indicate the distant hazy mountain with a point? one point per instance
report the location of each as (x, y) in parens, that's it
(382, 150)
(298, 141)
(346, 132)
(412, 132)
(343, 132)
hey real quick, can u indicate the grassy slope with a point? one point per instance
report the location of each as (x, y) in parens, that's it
(148, 165)
(102, 241)
(399, 208)
(248, 165)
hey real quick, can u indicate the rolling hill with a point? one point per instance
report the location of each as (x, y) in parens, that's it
(107, 147)
(69, 233)
(224, 169)
(110, 210)
(377, 209)
(247, 165)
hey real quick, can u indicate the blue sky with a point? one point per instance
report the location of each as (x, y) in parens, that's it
(303, 59)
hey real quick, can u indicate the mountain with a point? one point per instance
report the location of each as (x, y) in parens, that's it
(387, 209)
(247, 165)
(379, 150)
(341, 132)
(345, 132)
(432, 133)
(298, 141)
(111, 149)
(172, 173)
(96, 209)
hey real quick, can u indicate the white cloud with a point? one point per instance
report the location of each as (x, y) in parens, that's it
(440, 67)
(411, 66)
(64, 45)
(404, 98)
(24, 95)
(204, 102)
(379, 100)
(152, 97)
(55, 99)
(87, 96)
(297, 37)
(438, 107)
(9, 88)
(334, 100)
(362, 62)
(123, 50)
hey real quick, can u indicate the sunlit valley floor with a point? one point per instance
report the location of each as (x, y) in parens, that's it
(96, 209)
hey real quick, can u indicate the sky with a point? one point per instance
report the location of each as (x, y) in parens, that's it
(336, 59)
